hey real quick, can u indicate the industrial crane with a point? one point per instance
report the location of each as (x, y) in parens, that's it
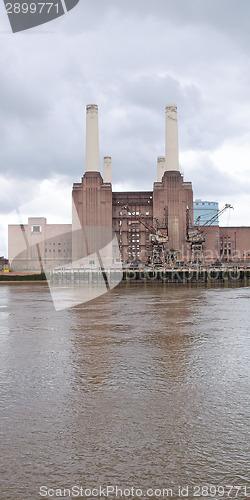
(158, 238)
(196, 235)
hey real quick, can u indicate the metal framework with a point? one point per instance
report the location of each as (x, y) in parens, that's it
(196, 235)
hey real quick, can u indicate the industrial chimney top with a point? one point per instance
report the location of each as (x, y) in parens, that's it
(171, 107)
(92, 108)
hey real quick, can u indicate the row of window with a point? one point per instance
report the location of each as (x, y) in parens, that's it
(67, 243)
(124, 202)
(53, 251)
(133, 213)
(205, 203)
(225, 251)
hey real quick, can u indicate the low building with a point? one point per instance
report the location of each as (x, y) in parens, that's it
(37, 245)
(235, 244)
(4, 263)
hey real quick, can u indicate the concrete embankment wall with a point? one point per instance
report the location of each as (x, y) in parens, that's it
(136, 276)
(160, 276)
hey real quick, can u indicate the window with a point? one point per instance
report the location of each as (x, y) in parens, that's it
(36, 229)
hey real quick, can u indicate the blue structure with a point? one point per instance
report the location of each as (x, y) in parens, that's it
(206, 210)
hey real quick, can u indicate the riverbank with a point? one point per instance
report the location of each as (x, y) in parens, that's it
(13, 277)
(178, 275)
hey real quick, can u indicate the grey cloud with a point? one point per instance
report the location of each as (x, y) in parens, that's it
(210, 182)
(226, 16)
(19, 99)
(152, 91)
(131, 58)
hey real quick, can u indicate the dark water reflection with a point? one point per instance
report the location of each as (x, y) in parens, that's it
(146, 387)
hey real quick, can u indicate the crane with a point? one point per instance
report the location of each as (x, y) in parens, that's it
(196, 235)
(158, 238)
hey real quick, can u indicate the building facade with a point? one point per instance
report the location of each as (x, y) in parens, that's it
(101, 216)
(37, 246)
(132, 216)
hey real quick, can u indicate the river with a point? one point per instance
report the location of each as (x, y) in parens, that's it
(147, 387)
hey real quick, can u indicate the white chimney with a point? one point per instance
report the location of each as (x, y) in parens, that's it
(107, 170)
(160, 167)
(171, 139)
(92, 139)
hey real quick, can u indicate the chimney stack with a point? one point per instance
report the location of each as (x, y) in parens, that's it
(107, 170)
(171, 139)
(92, 139)
(160, 167)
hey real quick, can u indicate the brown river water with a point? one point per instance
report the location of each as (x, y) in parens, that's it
(146, 388)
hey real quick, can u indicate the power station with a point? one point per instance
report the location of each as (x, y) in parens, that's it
(152, 228)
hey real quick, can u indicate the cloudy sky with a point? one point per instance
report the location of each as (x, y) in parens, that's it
(131, 57)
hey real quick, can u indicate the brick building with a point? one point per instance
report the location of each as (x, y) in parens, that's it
(98, 214)
(132, 215)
